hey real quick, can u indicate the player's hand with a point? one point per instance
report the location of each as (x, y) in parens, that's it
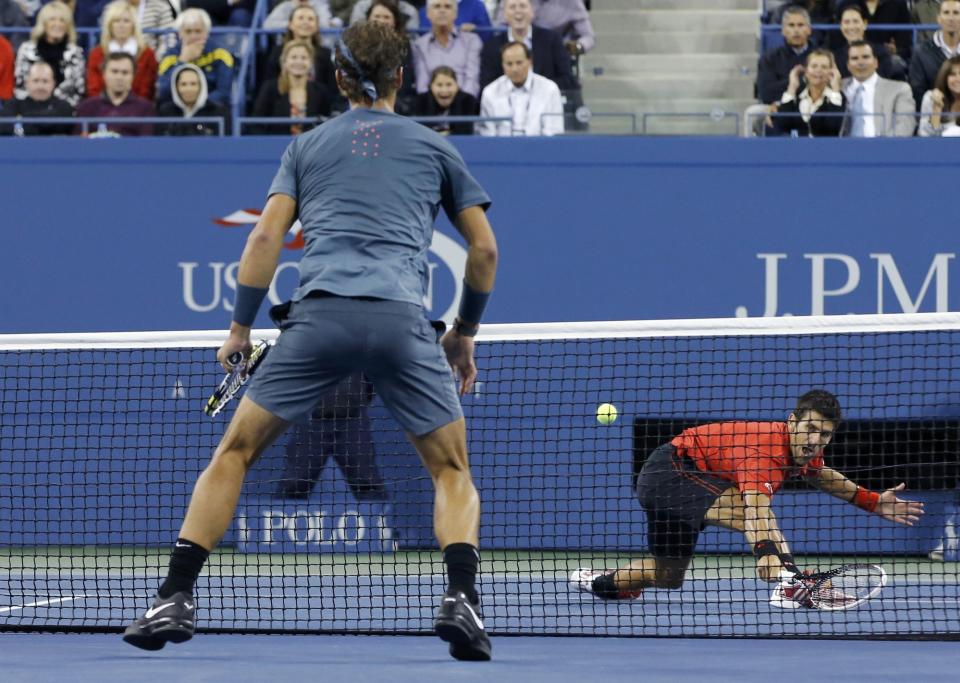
(459, 350)
(894, 509)
(237, 341)
(769, 568)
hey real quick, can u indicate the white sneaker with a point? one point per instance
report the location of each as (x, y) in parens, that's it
(582, 580)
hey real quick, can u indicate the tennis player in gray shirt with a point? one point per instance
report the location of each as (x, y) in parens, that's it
(366, 187)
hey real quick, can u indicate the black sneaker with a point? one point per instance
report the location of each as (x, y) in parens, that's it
(458, 623)
(169, 620)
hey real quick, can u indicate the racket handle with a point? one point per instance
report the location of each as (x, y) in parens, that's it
(235, 358)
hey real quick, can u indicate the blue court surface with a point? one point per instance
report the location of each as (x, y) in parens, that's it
(356, 659)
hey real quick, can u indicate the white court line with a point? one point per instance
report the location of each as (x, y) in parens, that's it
(39, 603)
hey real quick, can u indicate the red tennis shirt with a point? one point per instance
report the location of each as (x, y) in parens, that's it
(753, 455)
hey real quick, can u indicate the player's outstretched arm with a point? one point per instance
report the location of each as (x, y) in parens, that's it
(761, 528)
(887, 504)
(479, 276)
(257, 267)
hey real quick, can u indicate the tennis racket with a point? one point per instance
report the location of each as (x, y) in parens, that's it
(842, 588)
(241, 371)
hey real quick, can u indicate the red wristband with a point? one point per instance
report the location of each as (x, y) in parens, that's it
(866, 500)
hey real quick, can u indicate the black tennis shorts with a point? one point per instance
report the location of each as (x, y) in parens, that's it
(676, 496)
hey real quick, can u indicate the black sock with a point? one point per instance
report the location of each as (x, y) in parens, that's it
(604, 586)
(186, 561)
(462, 560)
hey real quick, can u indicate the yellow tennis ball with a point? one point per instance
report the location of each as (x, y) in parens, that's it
(606, 413)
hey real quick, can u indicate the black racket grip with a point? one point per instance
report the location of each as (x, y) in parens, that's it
(235, 358)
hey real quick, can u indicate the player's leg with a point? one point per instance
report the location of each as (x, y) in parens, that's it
(212, 508)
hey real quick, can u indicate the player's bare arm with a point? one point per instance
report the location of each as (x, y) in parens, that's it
(886, 504)
(480, 273)
(760, 524)
(258, 264)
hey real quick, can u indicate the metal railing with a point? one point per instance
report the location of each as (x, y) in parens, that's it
(103, 123)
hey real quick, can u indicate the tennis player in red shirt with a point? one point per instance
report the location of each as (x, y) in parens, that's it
(725, 474)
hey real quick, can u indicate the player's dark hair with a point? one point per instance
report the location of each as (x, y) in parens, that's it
(821, 401)
(368, 56)
(517, 43)
(119, 57)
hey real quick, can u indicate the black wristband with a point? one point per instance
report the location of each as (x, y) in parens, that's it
(786, 559)
(764, 548)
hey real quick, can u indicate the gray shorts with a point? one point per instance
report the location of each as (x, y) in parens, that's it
(326, 338)
(676, 496)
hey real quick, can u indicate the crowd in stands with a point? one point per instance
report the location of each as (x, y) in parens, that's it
(856, 81)
(162, 58)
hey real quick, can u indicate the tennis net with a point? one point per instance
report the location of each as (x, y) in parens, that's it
(103, 435)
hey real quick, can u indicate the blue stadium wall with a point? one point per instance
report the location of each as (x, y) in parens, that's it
(113, 235)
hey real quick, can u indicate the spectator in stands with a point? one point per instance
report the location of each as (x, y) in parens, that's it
(387, 13)
(39, 102)
(293, 94)
(853, 27)
(118, 99)
(189, 101)
(446, 45)
(304, 24)
(281, 14)
(12, 14)
(53, 40)
(445, 98)
(802, 111)
(359, 11)
(120, 33)
(569, 18)
(196, 47)
(471, 15)
(224, 12)
(156, 14)
(924, 12)
(898, 43)
(940, 108)
(878, 107)
(773, 71)
(550, 59)
(6, 69)
(929, 56)
(531, 101)
(820, 11)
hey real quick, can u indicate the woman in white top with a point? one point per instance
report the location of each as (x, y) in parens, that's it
(53, 40)
(940, 108)
(802, 111)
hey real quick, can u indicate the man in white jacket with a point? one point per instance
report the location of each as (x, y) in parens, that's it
(531, 102)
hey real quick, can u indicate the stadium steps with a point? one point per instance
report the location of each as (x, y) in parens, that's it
(671, 57)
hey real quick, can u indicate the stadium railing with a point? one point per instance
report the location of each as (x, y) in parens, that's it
(103, 123)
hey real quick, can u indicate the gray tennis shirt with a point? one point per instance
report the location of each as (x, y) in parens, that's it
(368, 186)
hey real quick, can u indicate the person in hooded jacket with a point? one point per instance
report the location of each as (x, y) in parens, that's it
(189, 93)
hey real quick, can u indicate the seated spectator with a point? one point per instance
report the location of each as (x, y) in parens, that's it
(224, 12)
(878, 107)
(118, 99)
(898, 43)
(471, 15)
(361, 8)
(940, 109)
(121, 34)
(190, 101)
(447, 99)
(12, 15)
(550, 59)
(445, 45)
(773, 71)
(279, 17)
(930, 55)
(924, 12)
(387, 13)
(293, 94)
(801, 112)
(532, 102)
(53, 40)
(853, 27)
(196, 47)
(6, 69)
(304, 24)
(39, 102)
(569, 18)
(156, 14)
